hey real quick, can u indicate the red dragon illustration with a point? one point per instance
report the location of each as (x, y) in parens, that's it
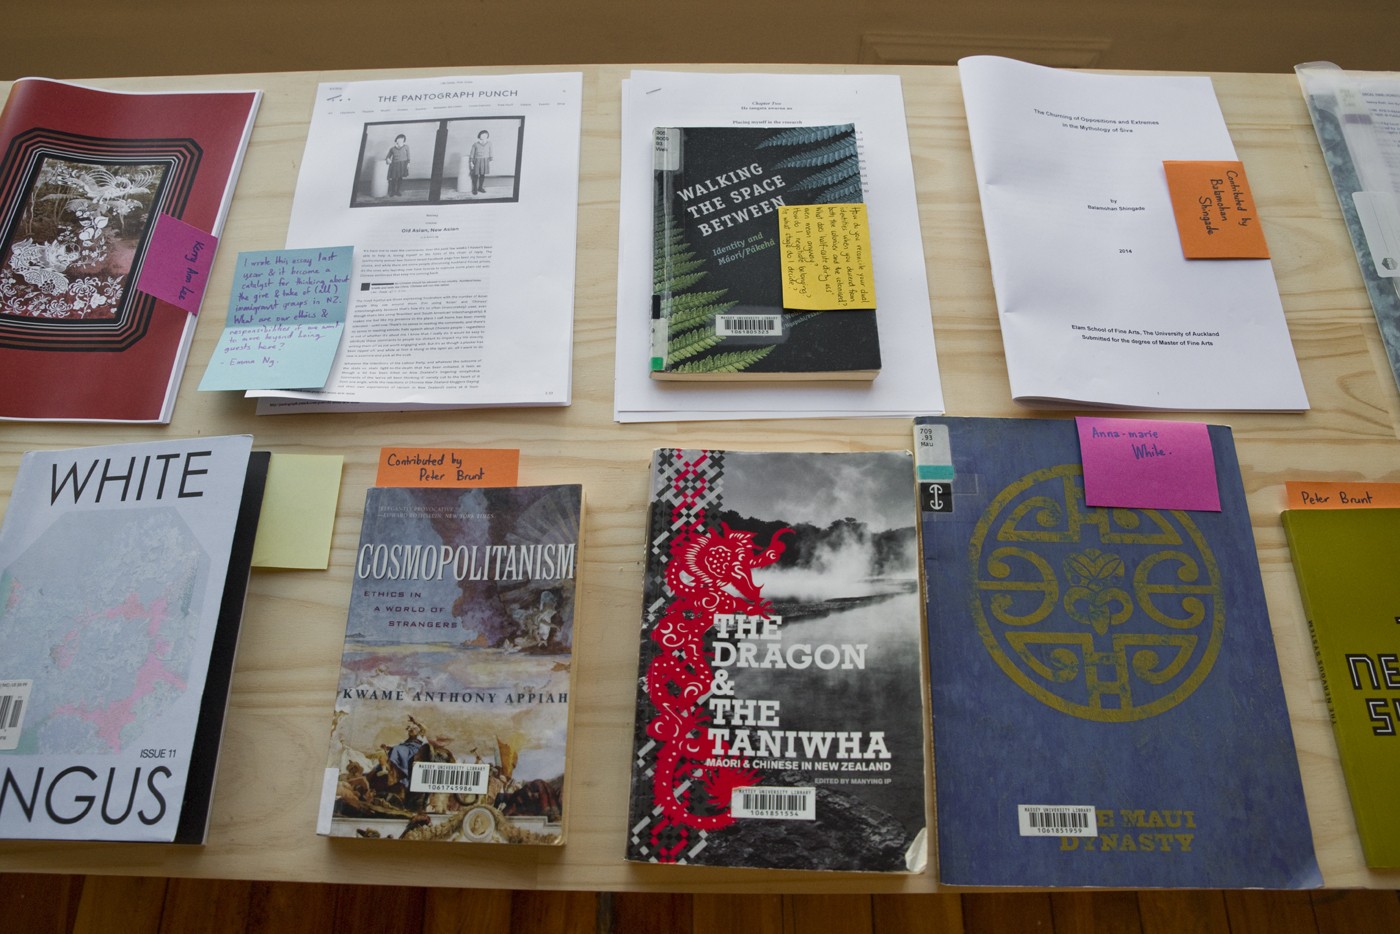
(709, 572)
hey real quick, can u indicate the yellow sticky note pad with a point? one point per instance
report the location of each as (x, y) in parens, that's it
(1215, 212)
(826, 257)
(298, 511)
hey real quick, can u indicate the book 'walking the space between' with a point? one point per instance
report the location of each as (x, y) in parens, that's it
(723, 255)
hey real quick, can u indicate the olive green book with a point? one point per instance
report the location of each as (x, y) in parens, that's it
(1345, 559)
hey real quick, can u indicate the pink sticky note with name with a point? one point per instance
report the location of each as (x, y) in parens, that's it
(1142, 463)
(178, 259)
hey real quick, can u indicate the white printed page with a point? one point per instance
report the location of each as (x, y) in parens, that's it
(460, 195)
(908, 383)
(1381, 92)
(1097, 304)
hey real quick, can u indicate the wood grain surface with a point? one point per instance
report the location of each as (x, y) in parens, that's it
(265, 803)
(57, 904)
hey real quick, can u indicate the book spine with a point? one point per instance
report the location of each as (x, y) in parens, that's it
(1312, 627)
(1317, 653)
(667, 159)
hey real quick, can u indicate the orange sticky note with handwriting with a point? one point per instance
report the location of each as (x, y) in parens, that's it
(1303, 494)
(448, 467)
(1215, 213)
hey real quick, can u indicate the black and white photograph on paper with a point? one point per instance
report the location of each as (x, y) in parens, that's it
(465, 160)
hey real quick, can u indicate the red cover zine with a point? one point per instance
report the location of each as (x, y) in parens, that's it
(84, 175)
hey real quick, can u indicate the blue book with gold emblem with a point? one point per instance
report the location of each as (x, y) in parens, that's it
(1107, 707)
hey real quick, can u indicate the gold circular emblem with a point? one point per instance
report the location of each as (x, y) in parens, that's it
(1106, 614)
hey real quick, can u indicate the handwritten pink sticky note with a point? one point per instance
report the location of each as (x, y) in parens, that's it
(178, 259)
(1141, 463)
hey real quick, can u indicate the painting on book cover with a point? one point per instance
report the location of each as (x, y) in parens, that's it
(77, 219)
(451, 715)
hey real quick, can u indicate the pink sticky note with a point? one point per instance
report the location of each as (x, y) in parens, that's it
(178, 259)
(1141, 463)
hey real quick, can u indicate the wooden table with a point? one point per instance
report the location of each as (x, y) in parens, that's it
(265, 803)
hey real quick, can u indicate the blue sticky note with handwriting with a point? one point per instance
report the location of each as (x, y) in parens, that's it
(286, 314)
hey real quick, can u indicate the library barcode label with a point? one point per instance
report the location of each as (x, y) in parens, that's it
(747, 325)
(458, 777)
(774, 803)
(1058, 820)
(14, 698)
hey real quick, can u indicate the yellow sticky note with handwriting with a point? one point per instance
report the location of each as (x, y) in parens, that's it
(826, 257)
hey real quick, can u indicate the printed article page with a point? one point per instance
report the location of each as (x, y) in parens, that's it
(460, 197)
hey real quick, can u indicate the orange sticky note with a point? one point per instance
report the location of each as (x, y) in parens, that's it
(448, 467)
(1215, 212)
(1322, 495)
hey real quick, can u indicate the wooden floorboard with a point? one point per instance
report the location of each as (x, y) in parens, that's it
(1349, 911)
(284, 907)
(638, 913)
(1095, 913)
(210, 906)
(1192, 912)
(38, 903)
(1022, 912)
(467, 911)
(558, 912)
(378, 909)
(1270, 913)
(736, 914)
(130, 904)
(828, 914)
(918, 914)
(49, 904)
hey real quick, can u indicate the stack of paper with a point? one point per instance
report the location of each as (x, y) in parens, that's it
(908, 383)
(460, 198)
(1098, 305)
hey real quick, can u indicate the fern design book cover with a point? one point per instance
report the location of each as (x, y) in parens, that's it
(717, 293)
(780, 715)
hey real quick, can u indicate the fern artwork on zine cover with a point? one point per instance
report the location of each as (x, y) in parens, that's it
(780, 713)
(721, 256)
